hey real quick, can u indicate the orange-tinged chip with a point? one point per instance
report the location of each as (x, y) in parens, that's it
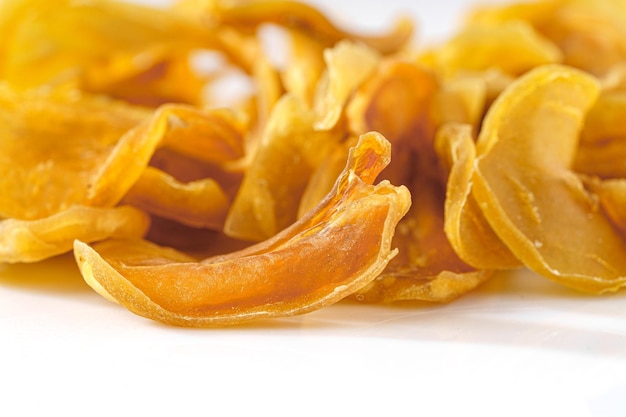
(426, 268)
(248, 15)
(287, 155)
(332, 251)
(98, 43)
(201, 203)
(534, 202)
(396, 101)
(323, 178)
(53, 147)
(35, 240)
(213, 136)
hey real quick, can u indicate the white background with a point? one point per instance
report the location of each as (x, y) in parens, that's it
(519, 346)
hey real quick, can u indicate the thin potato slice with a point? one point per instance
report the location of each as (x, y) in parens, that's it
(96, 43)
(612, 196)
(332, 251)
(305, 66)
(323, 178)
(590, 33)
(602, 147)
(248, 15)
(288, 153)
(213, 136)
(54, 144)
(465, 225)
(341, 79)
(35, 240)
(512, 47)
(534, 202)
(200, 203)
(397, 102)
(426, 268)
(184, 128)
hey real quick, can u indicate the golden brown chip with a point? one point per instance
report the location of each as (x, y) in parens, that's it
(396, 101)
(466, 228)
(512, 47)
(590, 33)
(426, 268)
(129, 51)
(34, 240)
(304, 67)
(602, 148)
(213, 136)
(54, 145)
(332, 251)
(612, 197)
(248, 15)
(274, 182)
(341, 79)
(534, 202)
(200, 203)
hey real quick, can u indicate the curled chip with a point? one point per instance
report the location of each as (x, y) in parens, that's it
(398, 101)
(340, 80)
(612, 196)
(55, 143)
(602, 148)
(212, 124)
(529, 194)
(128, 51)
(465, 225)
(512, 47)
(331, 251)
(288, 152)
(34, 240)
(590, 33)
(248, 15)
(201, 203)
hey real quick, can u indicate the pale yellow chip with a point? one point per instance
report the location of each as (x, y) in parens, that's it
(35, 240)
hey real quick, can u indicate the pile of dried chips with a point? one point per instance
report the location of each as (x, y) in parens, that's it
(203, 179)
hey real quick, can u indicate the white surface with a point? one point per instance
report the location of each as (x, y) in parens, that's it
(519, 346)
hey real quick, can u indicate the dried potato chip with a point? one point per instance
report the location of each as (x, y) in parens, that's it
(248, 15)
(465, 225)
(54, 144)
(426, 268)
(512, 47)
(602, 147)
(396, 101)
(289, 151)
(119, 44)
(612, 197)
(200, 203)
(589, 33)
(35, 240)
(324, 176)
(331, 249)
(213, 136)
(530, 196)
(304, 67)
(341, 79)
